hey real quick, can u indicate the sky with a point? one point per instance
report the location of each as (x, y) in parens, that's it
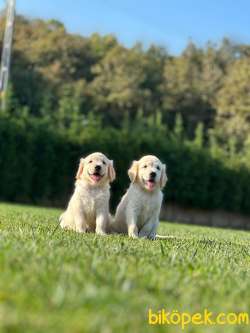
(169, 23)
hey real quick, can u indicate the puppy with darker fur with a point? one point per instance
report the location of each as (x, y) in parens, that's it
(88, 208)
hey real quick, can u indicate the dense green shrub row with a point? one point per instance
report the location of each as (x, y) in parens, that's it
(38, 165)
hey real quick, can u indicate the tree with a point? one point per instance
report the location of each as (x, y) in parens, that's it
(117, 86)
(233, 103)
(183, 91)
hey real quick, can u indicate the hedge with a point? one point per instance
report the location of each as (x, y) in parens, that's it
(37, 165)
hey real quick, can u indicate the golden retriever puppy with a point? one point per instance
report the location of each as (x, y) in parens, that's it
(138, 212)
(88, 208)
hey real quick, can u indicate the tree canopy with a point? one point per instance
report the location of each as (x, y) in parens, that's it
(65, 77)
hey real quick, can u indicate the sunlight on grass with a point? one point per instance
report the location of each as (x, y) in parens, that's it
(67, 282)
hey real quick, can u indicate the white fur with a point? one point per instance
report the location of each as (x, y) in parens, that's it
(88, 208)
(138, 212)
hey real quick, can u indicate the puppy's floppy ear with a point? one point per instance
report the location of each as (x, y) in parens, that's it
(111, 172)
(80, 169)
(164, 178)
(133, 171)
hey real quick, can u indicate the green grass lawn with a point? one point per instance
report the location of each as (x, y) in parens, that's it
(68, 282)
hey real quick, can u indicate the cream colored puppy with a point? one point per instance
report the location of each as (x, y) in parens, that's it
(138, 212)
(88, 208)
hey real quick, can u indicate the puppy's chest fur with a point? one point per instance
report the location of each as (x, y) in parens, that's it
(145, 205)
(92, 199)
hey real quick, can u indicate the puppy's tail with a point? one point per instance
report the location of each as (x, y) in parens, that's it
(164, 237)
(172, 237)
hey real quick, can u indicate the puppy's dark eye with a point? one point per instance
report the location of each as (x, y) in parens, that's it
(145, 166)
(90, 161)
(158, 168)
(104, 162)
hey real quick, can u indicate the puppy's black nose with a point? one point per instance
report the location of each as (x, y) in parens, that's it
(152, 174)
(97, 168)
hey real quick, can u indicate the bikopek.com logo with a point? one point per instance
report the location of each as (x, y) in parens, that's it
(183, 319)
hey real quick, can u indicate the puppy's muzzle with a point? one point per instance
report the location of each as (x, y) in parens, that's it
(98, 168)
(96, 176)
(152, 175)
(150, 183)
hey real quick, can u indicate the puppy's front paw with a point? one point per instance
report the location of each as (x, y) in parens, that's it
(101, 232)
(80, 230)
(133, 231)
(133, 235)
